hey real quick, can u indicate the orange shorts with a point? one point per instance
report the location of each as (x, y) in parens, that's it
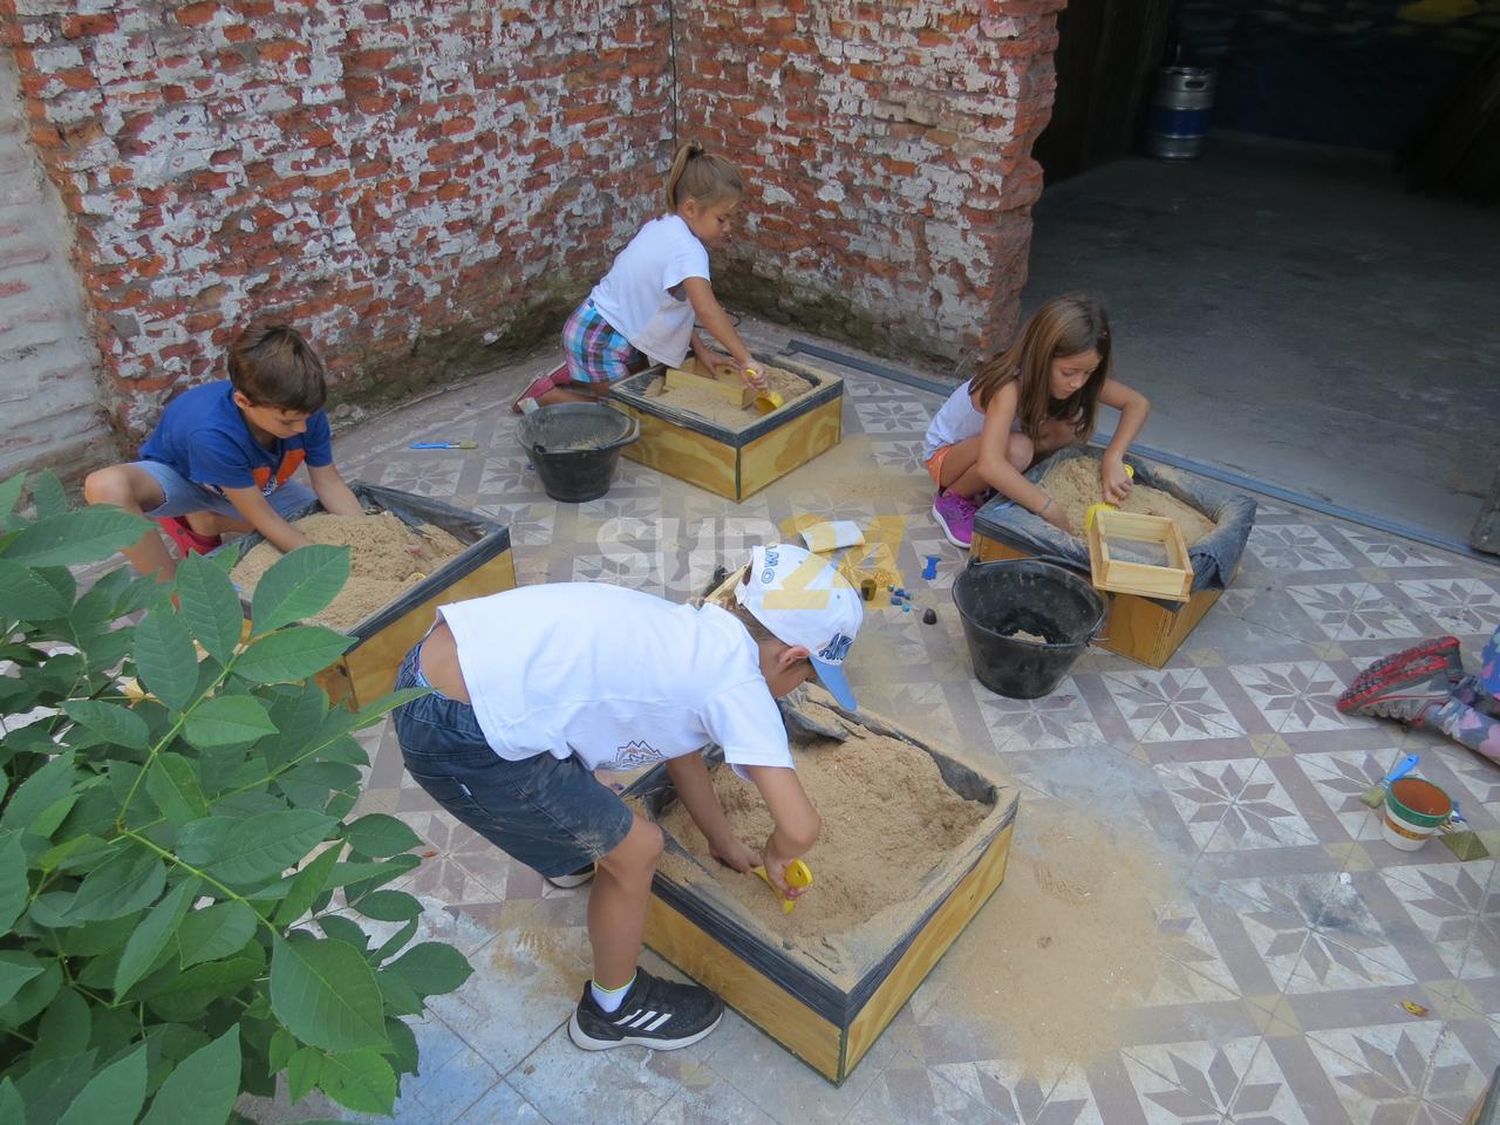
(935, 465)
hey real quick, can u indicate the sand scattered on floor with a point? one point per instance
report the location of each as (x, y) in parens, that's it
(1070, 942)
(542, 949)
(386, 557)
(1074, 484)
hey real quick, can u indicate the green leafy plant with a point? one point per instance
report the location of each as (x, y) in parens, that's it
(172, 835)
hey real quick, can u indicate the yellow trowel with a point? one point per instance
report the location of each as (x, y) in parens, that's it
(798, 874)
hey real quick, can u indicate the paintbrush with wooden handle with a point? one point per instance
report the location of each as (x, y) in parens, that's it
(1374, 795)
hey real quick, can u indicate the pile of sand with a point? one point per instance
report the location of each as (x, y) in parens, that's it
(721, 411)
(1074, 484)
(888, 820)
(385, 558)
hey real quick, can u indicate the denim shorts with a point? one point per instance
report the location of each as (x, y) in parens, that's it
(550, 813)
(182, 496)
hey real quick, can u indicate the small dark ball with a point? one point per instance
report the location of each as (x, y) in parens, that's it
(930, 617)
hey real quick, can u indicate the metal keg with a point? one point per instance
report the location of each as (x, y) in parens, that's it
(1180, 109)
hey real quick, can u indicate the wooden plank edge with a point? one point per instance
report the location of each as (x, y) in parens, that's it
(739, 393)
(759, 1000)
(812, 421)
(814, 991)
(943, 928)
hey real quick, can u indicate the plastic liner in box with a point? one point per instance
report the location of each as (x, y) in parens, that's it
(484, 539)
(1214, 558)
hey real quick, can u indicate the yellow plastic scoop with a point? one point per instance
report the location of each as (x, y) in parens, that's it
(1088, 514)
(798, 874)
(768, 402)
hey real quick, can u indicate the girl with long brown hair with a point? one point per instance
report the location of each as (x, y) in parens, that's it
(1040, 394)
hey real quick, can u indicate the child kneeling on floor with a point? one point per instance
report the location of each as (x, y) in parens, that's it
(535, 688)
(221, 458)
(647, 307)
(1026, 403)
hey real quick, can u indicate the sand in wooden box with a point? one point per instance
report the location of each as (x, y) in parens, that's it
(896, 877)
(386, 558)
(1074, 484)
(734, 412)
(484, 565)
(701, 438)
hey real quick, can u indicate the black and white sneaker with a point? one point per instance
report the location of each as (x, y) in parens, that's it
(659, 1014)
(571, 879)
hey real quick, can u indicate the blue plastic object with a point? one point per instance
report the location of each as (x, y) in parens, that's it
(1403, 767)
(929, 571)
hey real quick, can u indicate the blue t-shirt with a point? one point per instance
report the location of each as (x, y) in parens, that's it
(205, 438)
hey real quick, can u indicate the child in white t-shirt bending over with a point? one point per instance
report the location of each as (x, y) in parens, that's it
(644, 310)
(535, 688)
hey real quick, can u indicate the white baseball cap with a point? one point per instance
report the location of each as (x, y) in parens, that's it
(804, 601)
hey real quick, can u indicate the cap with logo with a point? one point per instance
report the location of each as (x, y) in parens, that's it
(805, 602)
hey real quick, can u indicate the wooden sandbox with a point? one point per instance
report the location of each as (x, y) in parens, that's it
(826, 1003)
(487, 566)
(1154, 608)
(734, 463)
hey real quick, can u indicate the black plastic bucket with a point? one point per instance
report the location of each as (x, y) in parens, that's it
(575, 447)
(998, 599)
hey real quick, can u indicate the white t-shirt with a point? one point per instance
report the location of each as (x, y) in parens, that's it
(618, 677)
(634, 295)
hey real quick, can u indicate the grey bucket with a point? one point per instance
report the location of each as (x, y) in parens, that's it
(575, 447)
(997, 599)
(1181, 106)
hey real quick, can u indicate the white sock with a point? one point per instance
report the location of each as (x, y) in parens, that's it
(610, 999)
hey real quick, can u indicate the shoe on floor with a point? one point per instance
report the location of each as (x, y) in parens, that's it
(659, 1014)
(1391, 666)
(538, 387)
(1404, 694)
(955, 515)
(188, 541)
(571, 879)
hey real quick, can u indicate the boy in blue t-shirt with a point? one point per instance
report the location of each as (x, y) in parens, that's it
(223, 453)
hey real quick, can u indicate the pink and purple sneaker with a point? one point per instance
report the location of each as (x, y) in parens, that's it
(955, 515)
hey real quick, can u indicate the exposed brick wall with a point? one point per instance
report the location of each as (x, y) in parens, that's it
(400, 177)
(406, 179)
(888, 145)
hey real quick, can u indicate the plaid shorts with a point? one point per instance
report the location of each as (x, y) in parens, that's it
(596, 353)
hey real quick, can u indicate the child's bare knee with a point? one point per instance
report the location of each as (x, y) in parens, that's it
(107, 486)
(639, 851)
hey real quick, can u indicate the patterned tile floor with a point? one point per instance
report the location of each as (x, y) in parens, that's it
(1301, 931)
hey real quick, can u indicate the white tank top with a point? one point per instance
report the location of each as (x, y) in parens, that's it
(955, 421)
